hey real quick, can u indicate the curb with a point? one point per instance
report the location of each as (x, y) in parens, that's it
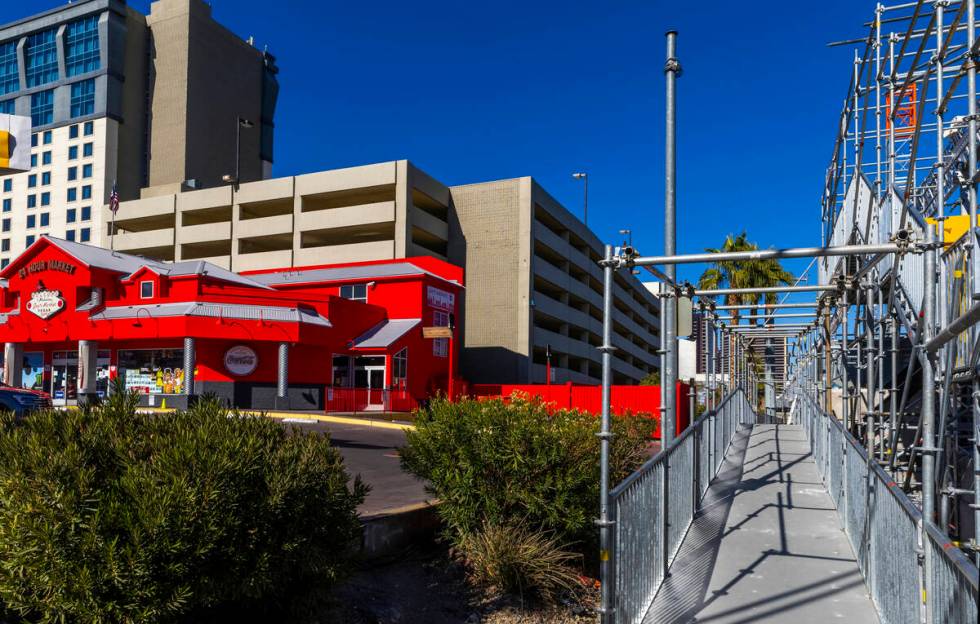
(391, 530)
(300, 417)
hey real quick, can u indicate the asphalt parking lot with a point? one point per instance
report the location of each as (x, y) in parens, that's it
(372, 452)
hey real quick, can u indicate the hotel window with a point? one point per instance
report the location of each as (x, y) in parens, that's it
(70, 215)
(89, 130)
(32, 180)
(86, 213)
(72, 194)
(73, 132)
(46, 158)
(45, 199)
(31, 201)
(45, 219)
(6, 225)
(8, 185)
(72, 173)
(146, 290)
(31, 221)
(34, 140)
(41, 59)
(5, 244)
(42, 108)
(47, 137)
(70, 235)
(86, 234)
(8, 204)
(355, 292)
(82, 46)
(9, 75)
(399, 369)
(7, 107)
(73, 152)
(45, 178)
(86, 171)
(4, 263)
(86, 192)
(83, 98)
(29, 240)
(87, 149)
(33, 161)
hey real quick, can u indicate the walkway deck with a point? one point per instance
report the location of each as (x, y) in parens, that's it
(781, 554)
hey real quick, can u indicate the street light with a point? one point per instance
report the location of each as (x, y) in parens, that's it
(585, 205)
(628, 233)
(236, 179)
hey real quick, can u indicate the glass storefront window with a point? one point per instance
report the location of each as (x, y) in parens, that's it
(152, 371)
(341, 371)
(32, 374)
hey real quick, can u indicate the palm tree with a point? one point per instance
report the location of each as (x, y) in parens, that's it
(743, 274)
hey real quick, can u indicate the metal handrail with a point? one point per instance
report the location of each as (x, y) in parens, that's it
(946, 582)
(653, 508)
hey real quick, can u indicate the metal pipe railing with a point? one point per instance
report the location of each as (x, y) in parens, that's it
(648, 536)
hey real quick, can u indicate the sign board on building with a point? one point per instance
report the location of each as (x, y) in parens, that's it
(241, 360)
(437, 332)
(15, 144)
(440, 299)
(45, 303)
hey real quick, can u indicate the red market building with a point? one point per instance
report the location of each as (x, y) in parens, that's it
(73, 317)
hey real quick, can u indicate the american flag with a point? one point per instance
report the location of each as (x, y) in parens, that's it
(114, 199)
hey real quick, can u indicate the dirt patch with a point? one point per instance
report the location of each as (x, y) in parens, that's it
(426, 587)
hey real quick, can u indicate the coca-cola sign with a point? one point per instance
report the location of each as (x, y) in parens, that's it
(45, 303)
(241, 360)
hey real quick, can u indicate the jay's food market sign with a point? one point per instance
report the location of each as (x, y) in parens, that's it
(45, 303)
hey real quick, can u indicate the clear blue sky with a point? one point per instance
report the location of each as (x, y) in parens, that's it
(479, 91)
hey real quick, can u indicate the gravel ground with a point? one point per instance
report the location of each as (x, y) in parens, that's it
(428, 588)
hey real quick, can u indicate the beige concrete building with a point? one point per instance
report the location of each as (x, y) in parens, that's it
(382, 211)
(532, 281)
(118, 97)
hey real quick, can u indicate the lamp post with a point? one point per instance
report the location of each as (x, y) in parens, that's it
(241, 123)
(585, 203)
(629, 236)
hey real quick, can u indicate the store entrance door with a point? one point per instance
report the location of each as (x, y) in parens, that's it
(64, 378)
(369, 375)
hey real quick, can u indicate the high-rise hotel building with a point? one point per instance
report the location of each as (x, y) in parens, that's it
(151, 103)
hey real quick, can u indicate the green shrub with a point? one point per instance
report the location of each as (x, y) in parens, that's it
(515, 463)
(107, 515)
(518, 560)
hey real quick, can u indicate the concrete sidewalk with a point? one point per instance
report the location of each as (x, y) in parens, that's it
(768, 546)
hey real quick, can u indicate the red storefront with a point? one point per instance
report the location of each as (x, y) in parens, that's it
(74, 316)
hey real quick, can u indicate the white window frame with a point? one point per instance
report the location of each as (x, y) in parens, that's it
(353, 292)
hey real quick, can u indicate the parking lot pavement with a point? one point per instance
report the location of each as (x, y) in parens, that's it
(371, 452)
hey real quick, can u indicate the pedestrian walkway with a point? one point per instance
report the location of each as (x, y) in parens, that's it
(767, 546)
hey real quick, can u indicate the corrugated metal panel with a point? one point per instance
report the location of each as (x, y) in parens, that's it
(386, 333)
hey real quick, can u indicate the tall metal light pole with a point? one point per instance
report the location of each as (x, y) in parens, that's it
(669, 306)
(628, 233)
(242, 123)
(585, 202)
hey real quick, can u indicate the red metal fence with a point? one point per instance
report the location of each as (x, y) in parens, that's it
(368, 401)
(623, 399)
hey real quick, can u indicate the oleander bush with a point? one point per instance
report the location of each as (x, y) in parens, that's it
(109, 515)
(498, 464)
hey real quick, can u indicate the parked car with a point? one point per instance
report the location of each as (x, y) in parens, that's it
(21, 401)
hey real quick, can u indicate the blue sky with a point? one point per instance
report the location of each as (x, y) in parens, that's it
(544, 88)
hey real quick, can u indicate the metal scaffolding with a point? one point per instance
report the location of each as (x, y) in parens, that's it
(887, 345)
